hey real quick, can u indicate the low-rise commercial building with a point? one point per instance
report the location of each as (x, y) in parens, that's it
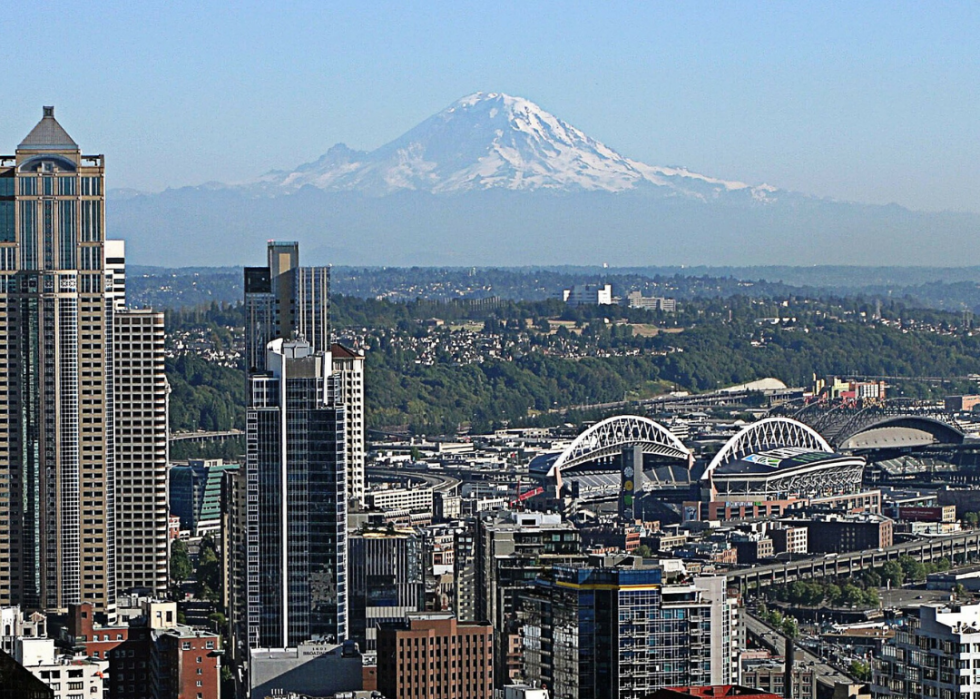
(433, 655)
(311, 669)
(846, 533)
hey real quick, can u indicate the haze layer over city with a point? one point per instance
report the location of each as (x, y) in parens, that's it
(513, 351)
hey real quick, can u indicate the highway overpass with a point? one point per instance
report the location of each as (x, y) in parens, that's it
(959, 548)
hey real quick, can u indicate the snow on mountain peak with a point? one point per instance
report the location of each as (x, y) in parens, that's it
(492, 140)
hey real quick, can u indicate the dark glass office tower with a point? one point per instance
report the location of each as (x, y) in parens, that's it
(295, 512)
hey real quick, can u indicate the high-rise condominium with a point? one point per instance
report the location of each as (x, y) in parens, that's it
(140, 419)
(293, 516)
(61, 293)
(348, 384)
(284, 300)
(296, 509)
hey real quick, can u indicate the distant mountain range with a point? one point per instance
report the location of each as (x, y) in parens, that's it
(496, 180)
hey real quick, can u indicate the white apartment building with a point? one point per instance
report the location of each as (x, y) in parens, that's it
(70, 677)
(936, 655)
(588, 295)
(412, 499)
(348, 375)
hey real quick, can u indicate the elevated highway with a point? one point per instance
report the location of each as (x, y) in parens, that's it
(201, 437)
(958, 548)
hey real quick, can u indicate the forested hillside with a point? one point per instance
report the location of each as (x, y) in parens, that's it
(435, 367)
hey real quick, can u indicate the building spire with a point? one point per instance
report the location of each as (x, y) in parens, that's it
(48, 135)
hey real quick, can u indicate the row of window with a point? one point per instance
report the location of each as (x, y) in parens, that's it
(33, 186)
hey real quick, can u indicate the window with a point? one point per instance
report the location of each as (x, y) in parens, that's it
(66, 186)
(91, 187)
(7, 228)
(91, 221)
(28, 186)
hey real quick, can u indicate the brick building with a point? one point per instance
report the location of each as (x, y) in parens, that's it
(845, 533)
(433, 655)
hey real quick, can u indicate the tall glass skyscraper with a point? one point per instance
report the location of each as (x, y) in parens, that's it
(61, 290)
(296, 486)
(293, 517)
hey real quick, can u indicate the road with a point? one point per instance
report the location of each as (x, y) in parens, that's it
(826, 674)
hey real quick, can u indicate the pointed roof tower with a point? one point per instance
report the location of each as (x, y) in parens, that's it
(48, 135)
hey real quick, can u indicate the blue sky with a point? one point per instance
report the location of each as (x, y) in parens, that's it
(871, 102)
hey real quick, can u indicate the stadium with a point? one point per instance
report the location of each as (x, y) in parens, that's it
(776, 458)
(779, 458)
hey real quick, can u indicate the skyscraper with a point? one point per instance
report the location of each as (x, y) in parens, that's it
(348, 371)
(284, 300)
(293, 516)
(140, 417)
(387, 581)
(296, 512)
(56, 391)
(64, 386)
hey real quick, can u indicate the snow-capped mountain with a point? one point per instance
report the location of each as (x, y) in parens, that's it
(491, 140)
(496, 180)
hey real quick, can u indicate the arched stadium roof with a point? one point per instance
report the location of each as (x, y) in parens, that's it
(608, 437)
(770, 433)
(898, 431)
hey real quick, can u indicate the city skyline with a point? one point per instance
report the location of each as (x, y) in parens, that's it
(868, 104)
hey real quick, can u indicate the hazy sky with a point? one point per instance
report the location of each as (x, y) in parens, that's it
(871, 102)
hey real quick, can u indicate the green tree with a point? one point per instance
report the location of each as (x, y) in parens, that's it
(852, 595)
(860, 671)
(833, 594)
(209, 583)
(790, 627)
(971, 519)
(643, 551)
(914, 570)
(893, 573)
(180, 562)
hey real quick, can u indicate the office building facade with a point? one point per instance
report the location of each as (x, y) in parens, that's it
(387, 581)
(140, 417)
(348, 371)
(433, 655)
(284, 300)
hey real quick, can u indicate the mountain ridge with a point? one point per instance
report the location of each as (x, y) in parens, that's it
(496, 180)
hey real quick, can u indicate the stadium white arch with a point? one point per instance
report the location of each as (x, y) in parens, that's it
(608, 437)
(770, 433)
